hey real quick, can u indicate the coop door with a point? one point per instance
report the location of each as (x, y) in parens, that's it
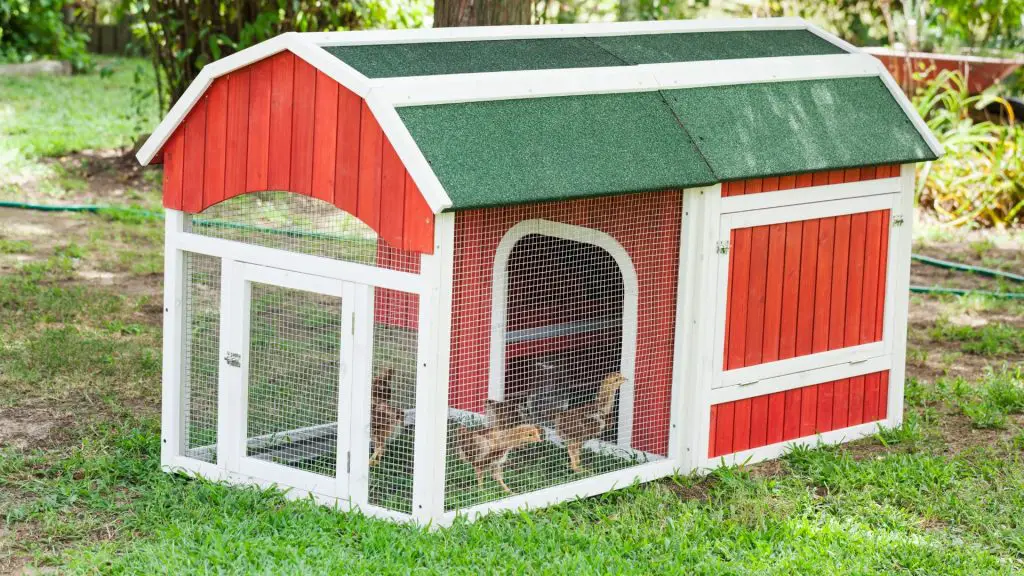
(293, 345)
(803, 288)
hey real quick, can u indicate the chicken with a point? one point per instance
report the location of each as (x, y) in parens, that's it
(384, 417)
(577, 425)
(486, 449)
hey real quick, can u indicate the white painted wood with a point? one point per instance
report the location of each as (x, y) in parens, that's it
(831, 38)
(807, 377)
(354, 311)
(172, 386)
(896, 267)
(579, 489)
(362, 316)
(712, 278)
(630, 310)
(300, 263)
(468, 33)
(751, 375)
(295, 42)
(755, 455)
(908, 108)
(898, 294)
(805, 211)
(233, 381)
(444, 249)
(482, 86)
(686, 290)
(293, 280)
(809, 195)
(431, 401)
(409, 153)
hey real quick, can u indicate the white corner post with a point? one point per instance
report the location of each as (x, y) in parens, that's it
(432, 375)
(172, 416)
(693, 371)
(902, 234)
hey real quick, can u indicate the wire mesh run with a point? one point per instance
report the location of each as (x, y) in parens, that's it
(562, 342)
(201, 348)
(294, 362)
(297, 223)
(393, 399)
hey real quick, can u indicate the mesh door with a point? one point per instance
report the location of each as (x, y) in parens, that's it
(294, 363)
(201, 347)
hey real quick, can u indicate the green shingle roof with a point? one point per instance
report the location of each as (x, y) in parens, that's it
(557, 148)
(430, 58)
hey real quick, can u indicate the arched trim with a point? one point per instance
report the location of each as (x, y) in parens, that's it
(630, 281)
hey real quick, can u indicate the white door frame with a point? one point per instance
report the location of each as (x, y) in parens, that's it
(630, 296)
(236, 298)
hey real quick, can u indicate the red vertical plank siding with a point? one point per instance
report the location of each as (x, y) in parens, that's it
(808, 290)
(755, 316)
(303, 108)
(346, 183)
(724, 429)
(192, 176)
(392, 199)
(823, 284)
(776, 418)
(787, 182)
(774, 285)
(871, 385)
(258, 147)
(371, 148)
(281, 92)
(804, 180)
(325, 137)
(883, 257)
(788, 327)
(731, 440)
(840, 279)
(216, 141)
(419, 220)
(855, 309)
(872, 275)
(174, 163)
(235, 161)
(791, 423)
(738, 289)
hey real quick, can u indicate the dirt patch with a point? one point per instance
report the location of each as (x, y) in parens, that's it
(698, 492)
(33, 427)
(88, 177)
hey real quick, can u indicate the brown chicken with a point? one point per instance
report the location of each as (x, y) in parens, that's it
(486, 449)
(384, 417)
(577, 425)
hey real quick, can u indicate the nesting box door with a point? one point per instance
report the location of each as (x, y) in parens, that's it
(289, 358)
(804, 329)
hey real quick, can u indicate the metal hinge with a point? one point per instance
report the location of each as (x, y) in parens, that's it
(233, 359)
(348, 462)
(722, 247)
(353, 323)
(897, 220)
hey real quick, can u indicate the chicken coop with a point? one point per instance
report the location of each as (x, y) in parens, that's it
(427, 274)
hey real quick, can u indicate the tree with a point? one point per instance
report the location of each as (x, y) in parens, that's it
(449, 13)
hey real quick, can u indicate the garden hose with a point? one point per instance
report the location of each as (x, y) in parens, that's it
(96, 209)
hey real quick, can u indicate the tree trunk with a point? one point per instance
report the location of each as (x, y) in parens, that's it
(449, 13)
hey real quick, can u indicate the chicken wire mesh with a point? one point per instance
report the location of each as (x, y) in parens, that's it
(562, 342)
(201, 349)
(294, 361)
(393, 399)
(297, 223)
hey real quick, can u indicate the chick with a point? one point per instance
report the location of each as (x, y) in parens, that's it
(486, 449)
(384, 417)
(577, 425)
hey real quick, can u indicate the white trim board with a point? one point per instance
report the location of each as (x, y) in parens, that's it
(760, 454)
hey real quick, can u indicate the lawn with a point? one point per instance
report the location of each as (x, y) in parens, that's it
(81, 490)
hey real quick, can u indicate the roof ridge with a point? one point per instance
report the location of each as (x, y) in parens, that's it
(591, 40)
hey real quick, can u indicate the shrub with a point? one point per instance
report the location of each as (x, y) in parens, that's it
(980, 179)
(32, 29)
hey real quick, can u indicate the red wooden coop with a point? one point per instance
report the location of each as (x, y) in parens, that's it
(606, 252)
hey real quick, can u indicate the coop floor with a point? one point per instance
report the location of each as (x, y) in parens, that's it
(528, 469)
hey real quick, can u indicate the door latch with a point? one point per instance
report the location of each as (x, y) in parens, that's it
(233, 359)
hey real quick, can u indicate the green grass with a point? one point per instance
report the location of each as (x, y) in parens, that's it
(56, 115)
(996, 339)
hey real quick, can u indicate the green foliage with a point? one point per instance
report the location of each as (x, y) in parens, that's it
(980, 179)
(34, 29)
(989, 402)
(991, 24)
(994, 339)
(185, 35)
